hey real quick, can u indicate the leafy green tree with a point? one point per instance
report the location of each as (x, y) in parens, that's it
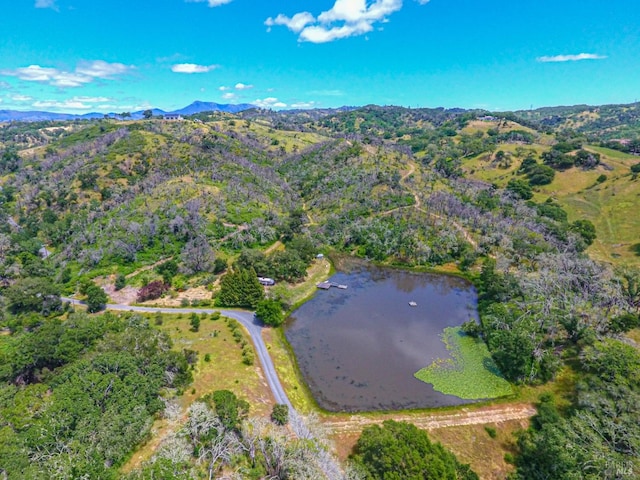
(521, 188)
(33, 295)
(269, 311)
(541, 175)
(9, 161)
(96, 298)
(194, 322)
(304, 247)
(240, 288)
(287, 265)
(613, 361)
(400, 451)
(168, 270)
(557, 159)
(147, 114)
(255, 259)
(228, 407)
(219, 265)
(624, 323)
(585, 229)
(280, 414)
(121, 282)
(587, 159)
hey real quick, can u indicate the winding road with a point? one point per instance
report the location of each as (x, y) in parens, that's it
(246, 318)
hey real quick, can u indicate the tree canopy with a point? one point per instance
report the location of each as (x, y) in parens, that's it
(400, 451)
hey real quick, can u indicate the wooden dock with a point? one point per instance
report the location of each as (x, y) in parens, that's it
(328, 285)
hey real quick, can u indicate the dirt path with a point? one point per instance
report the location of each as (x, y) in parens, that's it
(148, 267)
(239, 228)
(273, 248)
(480, 416)
(306, 212)
(418, 206)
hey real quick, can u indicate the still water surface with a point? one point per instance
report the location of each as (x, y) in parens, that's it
(359, 348)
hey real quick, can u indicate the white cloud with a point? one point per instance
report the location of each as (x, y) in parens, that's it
(212, 3)
(92, 99)
(346, 18)
(571, 58)
(242, 86)
(269, 102)
(65, 104)
(192, 68)
(223, 88)
(228, 96)
(85, 72)
(21, 98)
(102, 69)
(74, 103)
(295, 23)
(321, 34)
(46, 4)
(310, 104)
(122, 108)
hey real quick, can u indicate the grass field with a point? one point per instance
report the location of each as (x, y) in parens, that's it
(472, 444)
(611, 205)
(470, 373)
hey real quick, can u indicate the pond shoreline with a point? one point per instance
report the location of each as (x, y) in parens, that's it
(407, 343)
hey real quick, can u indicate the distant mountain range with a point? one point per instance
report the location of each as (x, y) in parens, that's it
(195, 107)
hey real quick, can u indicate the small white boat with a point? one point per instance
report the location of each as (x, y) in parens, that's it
(343, 287)
(413, 304)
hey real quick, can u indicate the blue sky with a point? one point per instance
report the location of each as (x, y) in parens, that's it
(116, 55)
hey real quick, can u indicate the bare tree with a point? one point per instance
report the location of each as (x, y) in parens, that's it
(197, 255)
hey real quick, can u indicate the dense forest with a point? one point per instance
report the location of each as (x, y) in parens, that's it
(166, 206)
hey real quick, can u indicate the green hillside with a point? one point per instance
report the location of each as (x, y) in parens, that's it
(540, 216)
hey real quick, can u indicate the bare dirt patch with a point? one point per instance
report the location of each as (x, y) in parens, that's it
(125, 296)
(197, 293)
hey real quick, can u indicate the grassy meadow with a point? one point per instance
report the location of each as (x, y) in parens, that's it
(611, 205)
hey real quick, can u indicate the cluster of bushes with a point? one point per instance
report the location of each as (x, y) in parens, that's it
(238, 336)
(536, 174)
(152, 291)
(560, 157)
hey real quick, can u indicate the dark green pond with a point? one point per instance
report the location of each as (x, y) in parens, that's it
(359, 348)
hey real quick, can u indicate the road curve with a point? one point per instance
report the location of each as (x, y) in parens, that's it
(244, 317)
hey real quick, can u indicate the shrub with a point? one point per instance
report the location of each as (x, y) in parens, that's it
(121, 282)
(280, 414)
(491, 431)
(194, 322)
(152, 290)
(247, 356)
(270, 312)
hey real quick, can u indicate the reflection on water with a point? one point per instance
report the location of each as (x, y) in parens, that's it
(359, 348)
